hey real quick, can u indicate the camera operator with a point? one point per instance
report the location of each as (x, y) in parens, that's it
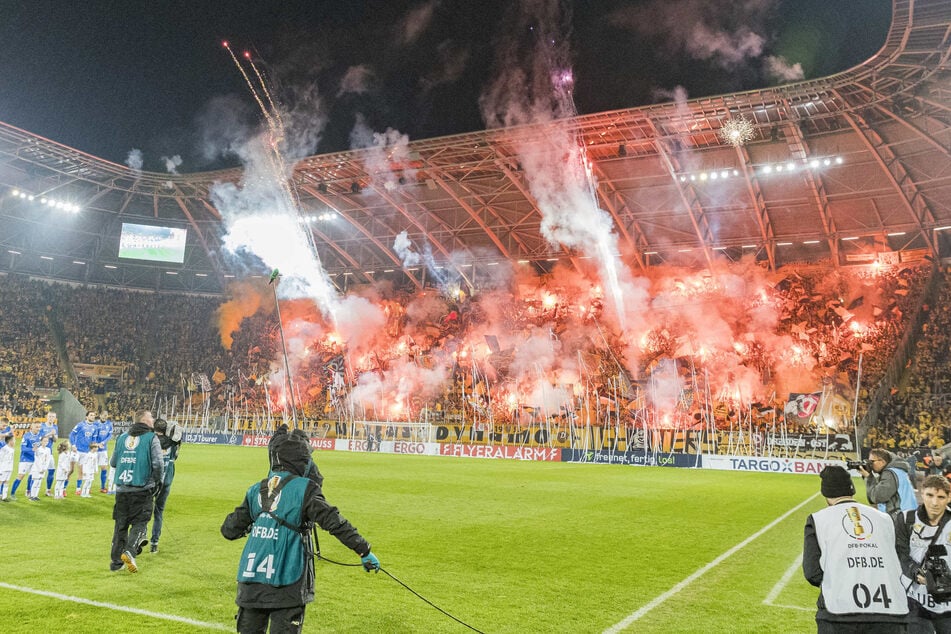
(169, 439)
(887, 485)
(920, 538)
(860, 590)
(276, 571)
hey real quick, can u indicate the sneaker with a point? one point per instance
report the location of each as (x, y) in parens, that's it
(116, 567)
(4, 499)
(48, 494)
(129, 561)
(79, 492)
(153, 548)
(86, 495)
(33, 499)
(142, 544)
(103, 490)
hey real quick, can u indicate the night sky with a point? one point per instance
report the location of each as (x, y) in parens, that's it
(107, 77)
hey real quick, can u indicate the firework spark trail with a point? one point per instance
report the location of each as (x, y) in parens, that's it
(247, 80)
(267, 93)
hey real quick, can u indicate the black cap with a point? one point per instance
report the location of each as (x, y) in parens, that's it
(836, 482)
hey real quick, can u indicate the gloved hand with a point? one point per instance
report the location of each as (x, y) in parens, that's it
(370, 562)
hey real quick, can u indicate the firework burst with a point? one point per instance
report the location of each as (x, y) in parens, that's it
(737, 131)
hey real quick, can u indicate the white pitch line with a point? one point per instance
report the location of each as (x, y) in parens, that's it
(118, 608)
(796, 565)
(634, 616)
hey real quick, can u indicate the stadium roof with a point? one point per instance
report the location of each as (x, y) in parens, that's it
(839, 169)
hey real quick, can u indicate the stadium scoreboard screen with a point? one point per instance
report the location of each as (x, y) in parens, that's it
(152, 242)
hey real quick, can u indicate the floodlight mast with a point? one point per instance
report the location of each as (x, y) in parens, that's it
(288, 384)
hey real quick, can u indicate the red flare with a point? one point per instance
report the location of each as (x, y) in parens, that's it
(224, 43)
(247, 55)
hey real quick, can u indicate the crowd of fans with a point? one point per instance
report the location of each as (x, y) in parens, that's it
(917, 412)
(168, 347)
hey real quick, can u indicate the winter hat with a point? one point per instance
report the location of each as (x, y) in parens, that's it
(836, 482)
(289, 452)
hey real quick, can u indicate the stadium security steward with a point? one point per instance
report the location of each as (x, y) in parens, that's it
(140, 469)
(849, 553)
(276, 571)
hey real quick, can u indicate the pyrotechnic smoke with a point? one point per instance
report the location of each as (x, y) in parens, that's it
(416, 21)
(779, 69)
(134, 160)
(356, 81)
(534, 85)
(246, 297)
(172, 163)
(725, 32)
(387, 156)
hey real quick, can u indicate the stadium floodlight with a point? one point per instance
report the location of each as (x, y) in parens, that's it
(814, 163)
(45, 257)
(811, 242)
(838, 160)
(896, 233)
(14, 192)
(784, 244)
(14, 252)
(850, 238)
(767, 169)
(725, 174)
(78, 262)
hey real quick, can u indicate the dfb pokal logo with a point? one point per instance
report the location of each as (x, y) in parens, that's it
(857, 526)
(131, 442)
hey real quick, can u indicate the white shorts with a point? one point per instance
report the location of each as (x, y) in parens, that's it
(24, 468)
(103, 458)
(5, 475)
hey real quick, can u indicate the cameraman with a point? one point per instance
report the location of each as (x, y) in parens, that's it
(860, 591)
(887, 485)
(170, 442)
(276, 572)
(915, 531)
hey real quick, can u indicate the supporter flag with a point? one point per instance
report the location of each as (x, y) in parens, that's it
(204, 382)
(801, 406)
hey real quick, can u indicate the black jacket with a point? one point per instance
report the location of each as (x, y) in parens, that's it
(317, 510)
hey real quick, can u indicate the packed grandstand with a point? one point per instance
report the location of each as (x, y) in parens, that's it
(744, 294)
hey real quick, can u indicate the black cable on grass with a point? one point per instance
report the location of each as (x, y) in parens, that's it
(320, 557)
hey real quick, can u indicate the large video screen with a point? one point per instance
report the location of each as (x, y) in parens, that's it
(150, 242)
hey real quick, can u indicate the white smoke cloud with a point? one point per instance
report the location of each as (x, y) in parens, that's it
(387, 158)
(725, 32)
(416, 21)
(782, 71)
(134, 160)
(172, 163)
(356, 81)
(534, 84)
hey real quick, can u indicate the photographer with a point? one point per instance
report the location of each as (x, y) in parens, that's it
(169, 436)
(276, 571)
(921, 539)
(887, 485)
(859, 591)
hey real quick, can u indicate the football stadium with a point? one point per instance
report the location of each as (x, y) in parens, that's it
(568, 373)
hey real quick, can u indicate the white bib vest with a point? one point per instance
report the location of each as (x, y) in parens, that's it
(861, 571)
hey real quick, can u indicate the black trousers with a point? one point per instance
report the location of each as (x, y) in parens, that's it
(282, 620)
(131, 514)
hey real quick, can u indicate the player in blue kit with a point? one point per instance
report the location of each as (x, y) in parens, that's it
(103, 436)
(50, 431)
(30, 439)
(83, 438)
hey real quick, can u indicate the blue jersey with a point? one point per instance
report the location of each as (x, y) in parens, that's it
(6, 431)
(30, 440)
(49, 430)
(103, 433)
(82, 435)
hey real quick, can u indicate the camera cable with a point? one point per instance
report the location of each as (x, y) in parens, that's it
(320, 557)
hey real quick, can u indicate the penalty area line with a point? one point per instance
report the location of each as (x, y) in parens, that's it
(783, 581)
(118, 608)
(634, 616)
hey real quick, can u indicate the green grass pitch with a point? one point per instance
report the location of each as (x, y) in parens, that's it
(506, 546)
